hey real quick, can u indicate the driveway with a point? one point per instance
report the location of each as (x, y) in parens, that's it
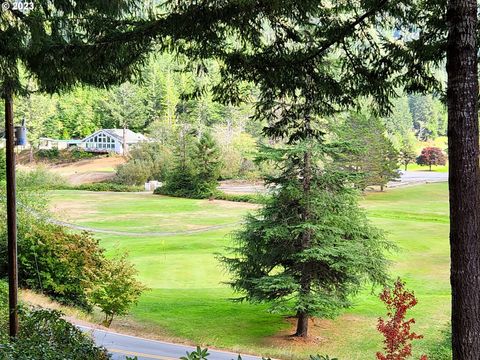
(121, 346)
(406, 178)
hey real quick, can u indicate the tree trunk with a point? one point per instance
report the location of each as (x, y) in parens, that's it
(306, 279)
(464, 177)
(430, 167)
(406, 167)
(302, 324)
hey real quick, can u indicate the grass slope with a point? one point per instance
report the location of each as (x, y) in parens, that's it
(188, 299)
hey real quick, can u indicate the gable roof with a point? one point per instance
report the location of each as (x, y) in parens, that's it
(131, 137)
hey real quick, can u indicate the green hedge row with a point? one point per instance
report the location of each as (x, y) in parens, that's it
(102, 186)
(219, 195)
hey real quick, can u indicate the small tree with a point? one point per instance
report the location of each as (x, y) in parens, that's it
(431, 156)
(397, 330)
(406, 154)
(207, 164)
(116, 289)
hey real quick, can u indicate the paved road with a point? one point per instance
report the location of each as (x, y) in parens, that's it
(406, 178)
(122, 346)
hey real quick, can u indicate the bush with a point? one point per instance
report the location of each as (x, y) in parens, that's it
(104, 186)
(39, 178)
(48, 154)
(45, 335)
(247, 198)
(147, 161)
(116, 288)
(80, 154)
(217, 195)
(58, 263)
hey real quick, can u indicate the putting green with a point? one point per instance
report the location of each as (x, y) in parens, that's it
(189, 300)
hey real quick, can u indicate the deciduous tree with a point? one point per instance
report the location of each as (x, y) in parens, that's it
(431, 156)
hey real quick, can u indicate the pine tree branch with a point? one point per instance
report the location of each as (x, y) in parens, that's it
(346, 30)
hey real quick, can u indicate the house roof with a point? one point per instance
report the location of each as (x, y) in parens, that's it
(131, 137)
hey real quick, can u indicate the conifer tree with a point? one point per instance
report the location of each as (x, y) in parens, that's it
(310, 247)
(207, 165)
(372, 154)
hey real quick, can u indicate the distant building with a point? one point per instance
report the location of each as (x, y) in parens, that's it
(48, 143)
(111, 140)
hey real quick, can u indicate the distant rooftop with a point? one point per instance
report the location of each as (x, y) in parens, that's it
(131, 137)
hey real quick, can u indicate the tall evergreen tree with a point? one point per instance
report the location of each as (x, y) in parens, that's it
(310, 247)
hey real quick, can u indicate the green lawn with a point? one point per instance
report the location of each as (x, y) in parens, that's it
(415, 167)
(188, 300)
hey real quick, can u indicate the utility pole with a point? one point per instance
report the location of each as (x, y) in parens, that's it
(11, 216)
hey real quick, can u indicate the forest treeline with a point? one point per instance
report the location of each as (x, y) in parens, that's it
(167, 95)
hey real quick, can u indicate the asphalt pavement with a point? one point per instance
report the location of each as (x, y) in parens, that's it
(121, 346)
(406, 178)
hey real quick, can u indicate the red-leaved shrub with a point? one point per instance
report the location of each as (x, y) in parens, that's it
(396, 330)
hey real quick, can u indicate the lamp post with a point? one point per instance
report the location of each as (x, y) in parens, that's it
(11, 217)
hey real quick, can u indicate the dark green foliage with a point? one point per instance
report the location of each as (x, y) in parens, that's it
(247, 198)
(372, 154)
(49, 154)
(207, 165)
(57, 263)
(270, 260)
(196, 170)
(63, 156)
(45, 335)
(146, 161)
(54, 43)
(80, 154)
(103, 186)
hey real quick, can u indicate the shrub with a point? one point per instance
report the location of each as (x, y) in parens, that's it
(431, 156)
(80, 154)
(61, 264)
(104, 186)
(396, 330)
(217, 195)
(48, 154)
(45, 335)
(116, 288)
(39, 178)
(147, 161)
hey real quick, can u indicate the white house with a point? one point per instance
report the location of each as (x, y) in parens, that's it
(111, 140)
